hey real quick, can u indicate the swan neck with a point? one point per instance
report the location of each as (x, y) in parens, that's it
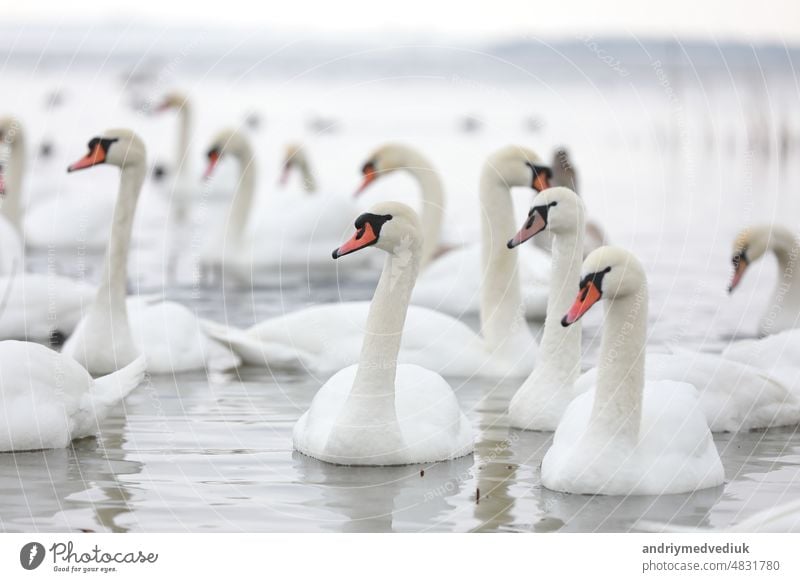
(242, 203)
(432, 215)
(309, 183)
(787, 291)
(11, 206)
(617, 406)
(182, 155)
(560, 347)
(502, 311)
(377, 366)
(112, 292)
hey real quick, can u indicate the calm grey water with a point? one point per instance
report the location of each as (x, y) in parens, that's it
(201, 452)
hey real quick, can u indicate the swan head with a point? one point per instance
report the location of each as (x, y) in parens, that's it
(172, 100)
(607, 273)
(294, 156)
(748, 246)
(517, 166)
(559, 210)
(118, 147)
(389, 226)
(228, 142)
(384, 160)
(10, 130)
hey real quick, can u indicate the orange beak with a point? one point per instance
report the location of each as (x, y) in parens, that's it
(740, 265)
(94, 157)
(363, 237)
(587, 296)
(533, 226)
(213, 160)
(369, 176)
(540, 182)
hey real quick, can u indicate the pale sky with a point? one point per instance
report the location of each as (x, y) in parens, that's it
(775, 20)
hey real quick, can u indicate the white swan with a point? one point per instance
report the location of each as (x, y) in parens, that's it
(47, 399)
(542, 399)
(783, 311)
(326, 338)
(39, 306)
(455, 282)
(628, 437)
(378, 412)
(395, 157)
(295, 158)
(110, 337)
(286, 234)
(11, 171)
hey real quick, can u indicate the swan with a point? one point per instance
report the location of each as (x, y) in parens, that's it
(395, 157)
(295, 158)
(377, 412)
(39, 306)
(783, 312)
(628, 436)
(48, 399)
(11, 253)
(287, 234)
(542, 399)
(114, 331)
(327, 338)
(457, 282)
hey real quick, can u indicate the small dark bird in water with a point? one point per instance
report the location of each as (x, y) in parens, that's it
(470, 124)
(253, 121)
(46, 149)
(159, 172)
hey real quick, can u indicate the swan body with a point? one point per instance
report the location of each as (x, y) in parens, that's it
(112, 334)
(379, 412)
(783, 311)
(40, 305)
(626, 436)
(47, 399)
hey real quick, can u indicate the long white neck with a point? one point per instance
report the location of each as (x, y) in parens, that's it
(239, 211)
(11, 206)
(112, 293)
(182, 154)
(502, 311)
(560, 347)
(377, 365)
(617, 407)
(786, 297)
(433, 203)
(309, 183)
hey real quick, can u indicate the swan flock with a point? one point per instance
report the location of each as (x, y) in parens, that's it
(639, 423)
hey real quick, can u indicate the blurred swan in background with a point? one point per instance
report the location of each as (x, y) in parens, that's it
(286, 234)
(377, 412)
(11, 208)
(628, 436)
(47, 399)
(783, 311)
(114, 331)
